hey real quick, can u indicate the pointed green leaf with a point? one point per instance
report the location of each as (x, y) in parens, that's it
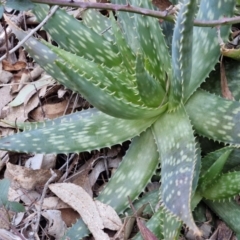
(99, 85)
(206, 50)
(99, 23)
(125, 51)
(78, 230)
(99, 96)
(150, 90)
(152, 44)
(132, 176)
(182, 51)
(174, 136)
(83, 131)
(198, 166)
(154, 225)
(150, 199)
(213, 172)
(225, 186)
(75, 37)
(15, 207)
(21, 5)
(215, 117)
(213, 83)
(228, 211)
(163, 224)
(4, 187)
(130, 179)
(43, 56)
(171, 226)
(231, 164)
(127, 22)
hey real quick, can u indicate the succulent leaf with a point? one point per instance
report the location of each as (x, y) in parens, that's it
(150, 90)
(82, 131)
(78, 38)
(125, 51)
(130, 178)
(206, 44)
(232, 71)
(97, 94)
(152, 42)
(125, 73)
(99, 85)
(228, 211)
(215, 117)
(127, 22)
(43, 56)
(223, 187)
(232, 163)
(78, 230)
(176, 146)
(182, 51)
(163, 225)
(126, 183)
(149, 198)
(103, 27)
(171, 226)
(154, 225)
(213, 172)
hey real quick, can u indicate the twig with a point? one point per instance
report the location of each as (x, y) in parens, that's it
(40, 103)
(51, 12)
(54, 175)
(138, 10)
(6, 39)
(13, 84)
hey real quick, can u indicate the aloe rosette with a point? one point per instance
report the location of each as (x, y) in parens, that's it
(141, 90)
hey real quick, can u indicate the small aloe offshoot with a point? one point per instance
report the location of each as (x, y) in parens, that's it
(143, 91)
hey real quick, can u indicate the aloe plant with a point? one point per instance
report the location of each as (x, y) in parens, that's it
(143, 88)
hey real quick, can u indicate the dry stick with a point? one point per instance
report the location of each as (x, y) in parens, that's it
(40, 103)
(51, 12)
(6, 39)
(138, 10)
(69, 168)
(54, 175)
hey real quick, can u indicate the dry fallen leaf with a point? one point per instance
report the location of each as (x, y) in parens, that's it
(5, 76)
(28, 178)
(29, 90)
(79, 200)
(51, 110)
(7, 66)
(6, 235)
(82, 177)
(34, 162)
(49, 161)
(69, 216)
(109, 216)
(52, 203)
(4, 219)
(6, 96)
(57, 227)
(226, 93)
(20, 113)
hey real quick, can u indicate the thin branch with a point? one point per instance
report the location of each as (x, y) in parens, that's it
(138, 10)
(108, 6)
(53, 176)
(51, 12)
